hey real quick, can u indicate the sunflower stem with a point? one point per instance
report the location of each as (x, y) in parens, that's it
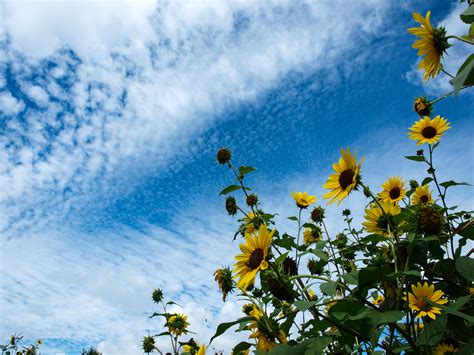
(331, 247)
(465, 40)
(449, 94)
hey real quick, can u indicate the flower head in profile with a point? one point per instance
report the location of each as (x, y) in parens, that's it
(191, 347)
(394, 190)
(223, 277)
(345, 179)
(443, 349)
(177, 324)
(378, 300)
(422, 194)
(302, 199)
(421, 293)
(422, 106)
(249, 226)
(432, 44)
(428, 130)
(380, 220)
(254, 256)
(311, 235)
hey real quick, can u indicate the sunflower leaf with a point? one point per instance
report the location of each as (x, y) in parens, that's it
(449, 183)
(452, 310)
(415, 158)
(433, 331)
(468, 15)
(426, 180)
(243, 345)
(465, 266)
(304, 305)
(465, 75)
(221, 328)
(229, 188)
(245, 170)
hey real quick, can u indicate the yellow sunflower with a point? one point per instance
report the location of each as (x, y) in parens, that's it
(345, 178)
(311, 236)
(253, 259)
(177, 324)
(422, 293)
(202, 350)
(302, 199)
(379, 300)
(393, 189)
(442, 349)
(265, 342)
(428, 130)
(432, 44)
(378, 222)
(249, 227)
(422, 194)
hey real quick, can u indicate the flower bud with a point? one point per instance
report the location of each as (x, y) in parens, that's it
(148, 344)
(414, 184)
(231, 205)
(157, 295)
(223, 155)
(252, 200)
(317, 215)
(346, 212)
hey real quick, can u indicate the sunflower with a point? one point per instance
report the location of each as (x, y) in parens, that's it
(253, 259)
(428, 130)
(311, 235)
(422, 293)
(442, 349)
(302, 199)
(345, 178)
(432, 44)
(249, 227)
(393, 189)
(378, 221)
(177, 324)
(422, 194)
(265, 341)
(202, 350)
(379, 300)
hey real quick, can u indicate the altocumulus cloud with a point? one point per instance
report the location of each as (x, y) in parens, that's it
(94, 92)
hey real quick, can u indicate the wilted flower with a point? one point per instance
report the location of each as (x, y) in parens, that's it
(252, 200)
(317, 215)
(422, 106)
(231, 205)
(223, 155)
(430, 221)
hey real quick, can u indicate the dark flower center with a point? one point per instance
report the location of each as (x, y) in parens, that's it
(346, 178)
(394, 193)
(424, 199)
(255, 259)
(428, 132)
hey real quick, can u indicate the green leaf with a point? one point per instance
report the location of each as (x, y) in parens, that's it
(321, 254)
(433, 331)
(162, 334)
(282, 349)
(293, 218)
(415, 157)
(452, 310)
(468, 349)
(351, 278)
(328, 288)
(221, 328)
(318, 345)
(230, 188)
(415, 273)
(465, 75)
(304, 305)
(466, 230)
(465, 266)
(468, 15)
(449, 183)
(388, 317)
(243, 345)
(245, 170)
(426, 180)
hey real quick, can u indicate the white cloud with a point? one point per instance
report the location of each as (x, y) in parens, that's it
(9, 105)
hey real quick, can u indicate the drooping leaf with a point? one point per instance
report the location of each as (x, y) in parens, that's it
(317, 345)
(229, 188)
(426, 180)
(468, 15)
(449, 183)
(465, 74)
(243, 345)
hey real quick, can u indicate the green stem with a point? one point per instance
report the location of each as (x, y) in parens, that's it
(465, 40)
(449, 94)
(332, 248)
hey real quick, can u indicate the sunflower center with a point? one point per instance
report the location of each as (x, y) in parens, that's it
(255, 258)
(424, 199)
(421, 303)
(346, 178)
(394, 193)
(428, 132)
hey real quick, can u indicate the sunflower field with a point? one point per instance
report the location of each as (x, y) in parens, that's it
(402, 282)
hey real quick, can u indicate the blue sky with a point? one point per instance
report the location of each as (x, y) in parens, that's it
(110, 117)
